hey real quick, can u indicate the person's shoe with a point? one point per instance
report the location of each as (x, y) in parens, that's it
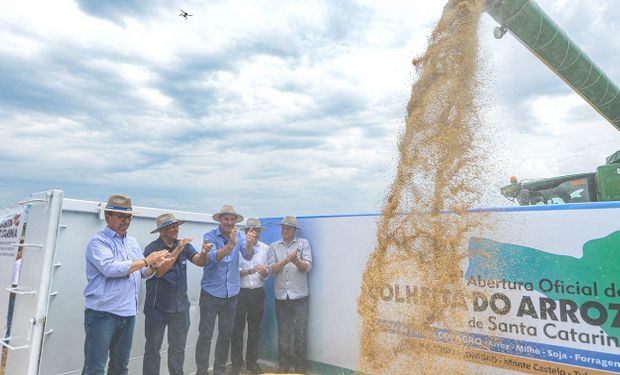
(255, 369)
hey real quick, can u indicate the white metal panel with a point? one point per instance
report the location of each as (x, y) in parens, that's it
(63, 348)
(30, 308)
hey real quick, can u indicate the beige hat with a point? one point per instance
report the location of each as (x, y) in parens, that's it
(227, 210)
(119, 203)
(164, 220)
(253, 223)
(290, 221)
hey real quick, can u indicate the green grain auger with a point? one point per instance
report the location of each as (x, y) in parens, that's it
(535, 30)
(544, 38)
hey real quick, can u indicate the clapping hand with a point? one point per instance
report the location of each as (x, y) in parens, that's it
(156, 258)
(233, 236)
(292, 257)
(184, 242)
(250, 236)
(260, 268)
(206, 247)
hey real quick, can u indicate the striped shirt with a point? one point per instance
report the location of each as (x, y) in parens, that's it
(109, 287)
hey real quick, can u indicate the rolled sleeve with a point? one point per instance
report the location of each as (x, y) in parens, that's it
(211, 255)
(271, 257)
(242, 244)
(306, 254)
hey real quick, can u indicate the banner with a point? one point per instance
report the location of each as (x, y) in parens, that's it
(11, 224)
(540, 293)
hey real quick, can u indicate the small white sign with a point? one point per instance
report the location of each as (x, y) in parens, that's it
(11, 224)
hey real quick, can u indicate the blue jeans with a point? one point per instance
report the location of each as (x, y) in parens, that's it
(107, 334)
(210, 308)
(155, 323)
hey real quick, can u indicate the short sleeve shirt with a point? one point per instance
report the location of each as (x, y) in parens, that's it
(168, 293)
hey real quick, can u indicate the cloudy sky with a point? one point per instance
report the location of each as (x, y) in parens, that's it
(279, 107)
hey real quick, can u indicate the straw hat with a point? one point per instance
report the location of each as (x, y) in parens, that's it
(165, 220)
(227, 210)
(119, 203)
(290, 221)
(253, 223)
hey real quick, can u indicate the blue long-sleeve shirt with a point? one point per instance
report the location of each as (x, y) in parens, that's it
(109, 287)
(221, 279)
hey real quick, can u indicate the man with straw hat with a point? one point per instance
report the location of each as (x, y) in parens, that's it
(219, 288)
(166, 303)
(114, 267)
(251, 302)
(290, 260)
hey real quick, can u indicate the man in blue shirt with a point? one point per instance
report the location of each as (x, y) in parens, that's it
(166, 303)
(114, 266)
(219, 288)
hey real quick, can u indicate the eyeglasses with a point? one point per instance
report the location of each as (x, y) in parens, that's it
(123, 217)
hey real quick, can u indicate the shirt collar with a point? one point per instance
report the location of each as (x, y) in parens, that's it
(292, 242)
(110, 233)
(218, 232)
(162, 244)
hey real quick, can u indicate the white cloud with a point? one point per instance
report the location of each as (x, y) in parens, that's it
(277, 107)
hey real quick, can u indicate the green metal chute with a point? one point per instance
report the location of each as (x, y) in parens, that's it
(532, 27)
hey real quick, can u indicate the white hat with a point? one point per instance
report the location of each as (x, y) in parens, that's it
(290, 221)
(227, 210)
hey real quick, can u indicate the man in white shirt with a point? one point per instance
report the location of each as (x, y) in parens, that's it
(251, 303)
(290, 260)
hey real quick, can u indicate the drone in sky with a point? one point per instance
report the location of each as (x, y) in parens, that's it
(185, 14)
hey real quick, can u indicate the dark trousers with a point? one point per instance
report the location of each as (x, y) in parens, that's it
(224, 310)
(292, 317)
(250, 307)
(155, 323)
(107, 334)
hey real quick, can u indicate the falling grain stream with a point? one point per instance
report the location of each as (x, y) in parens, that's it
(424, 220)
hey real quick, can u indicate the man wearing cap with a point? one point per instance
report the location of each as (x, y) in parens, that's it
(290, 260)
(166, 303)
(114, 267)
(219, 288)
(251, 302)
